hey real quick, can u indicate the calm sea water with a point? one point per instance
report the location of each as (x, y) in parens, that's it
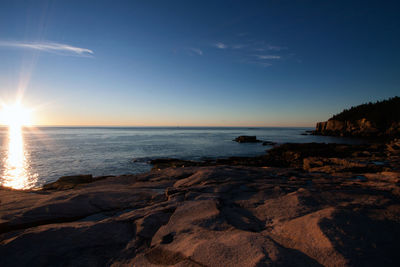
(32, 157)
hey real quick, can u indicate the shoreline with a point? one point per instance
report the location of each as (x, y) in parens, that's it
(267, 159)
(252, 160)
(315, 204)
(286, 155)
(119, 148)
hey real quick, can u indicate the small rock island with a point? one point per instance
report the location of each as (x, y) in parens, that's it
(247, 139)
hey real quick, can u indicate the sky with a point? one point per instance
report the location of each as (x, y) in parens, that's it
(197, 63)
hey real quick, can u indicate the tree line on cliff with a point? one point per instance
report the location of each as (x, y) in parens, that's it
(381, 113)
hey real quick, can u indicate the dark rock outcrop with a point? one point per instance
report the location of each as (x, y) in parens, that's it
(247, 139)
(68, 182)
(291, 155)
(268, 143)
(393, 147)
(173, 163)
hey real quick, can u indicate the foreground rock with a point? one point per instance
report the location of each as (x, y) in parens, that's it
(220, 215)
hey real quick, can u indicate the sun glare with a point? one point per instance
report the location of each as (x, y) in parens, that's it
(15, 115)
(16, 168)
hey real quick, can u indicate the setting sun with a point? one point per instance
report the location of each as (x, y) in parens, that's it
(15, 115)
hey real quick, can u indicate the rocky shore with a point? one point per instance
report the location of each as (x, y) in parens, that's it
(372, 120)
(359, 128)
(299, 205)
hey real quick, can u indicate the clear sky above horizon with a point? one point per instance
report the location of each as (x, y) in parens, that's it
(197, 63)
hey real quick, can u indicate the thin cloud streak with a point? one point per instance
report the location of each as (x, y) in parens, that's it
(197, 51)
(252, 51)
(264, 64)
(270, 48)
(267, 56)
(221, 45)
(258, 63)
(63, 49)
(238, 46)
(275, 47)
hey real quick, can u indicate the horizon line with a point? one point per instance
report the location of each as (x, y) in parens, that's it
(167, 126)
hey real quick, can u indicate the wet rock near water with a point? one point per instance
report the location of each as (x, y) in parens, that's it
(294, 154)
(307, 133)
(173, 163)
(268, 143)
(253, 139)
(68, 182)
(247, 139)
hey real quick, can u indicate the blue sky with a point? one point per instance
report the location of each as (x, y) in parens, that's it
(181, 63)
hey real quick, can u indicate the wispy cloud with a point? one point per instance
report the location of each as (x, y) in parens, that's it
(264, 64)
(62, 49)
(269, 47)
(238, 46)
(196, 50)
(276, 48)
(258, 63)
(221, 45)
(250, 45)
(267, 56)
(249, 50)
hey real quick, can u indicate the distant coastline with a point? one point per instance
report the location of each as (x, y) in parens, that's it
(373, 120)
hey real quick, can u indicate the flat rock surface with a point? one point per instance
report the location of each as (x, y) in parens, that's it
(210, 216)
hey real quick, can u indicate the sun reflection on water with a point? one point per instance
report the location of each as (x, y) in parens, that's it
(16, 173)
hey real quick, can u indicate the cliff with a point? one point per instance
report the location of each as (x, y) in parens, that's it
(379, 119)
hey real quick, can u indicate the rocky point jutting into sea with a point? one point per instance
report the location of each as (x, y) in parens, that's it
(380, 119)
(297, 205)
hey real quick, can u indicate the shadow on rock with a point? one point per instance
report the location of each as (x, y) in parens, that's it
(362, 239)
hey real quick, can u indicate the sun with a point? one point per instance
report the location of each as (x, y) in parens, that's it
(15, 115)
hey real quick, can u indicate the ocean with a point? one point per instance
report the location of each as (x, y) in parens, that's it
(31, 157)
